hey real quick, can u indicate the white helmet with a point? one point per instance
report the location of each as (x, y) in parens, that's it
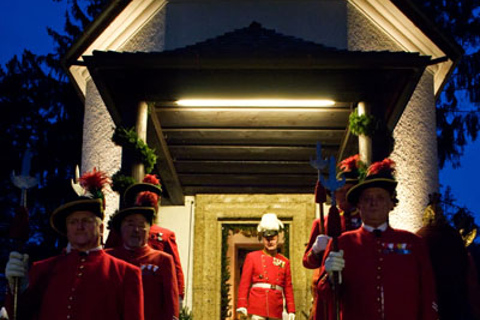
(270, 225)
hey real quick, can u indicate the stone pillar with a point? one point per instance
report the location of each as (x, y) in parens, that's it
(98, 150)
(364, 142)
(415, 154)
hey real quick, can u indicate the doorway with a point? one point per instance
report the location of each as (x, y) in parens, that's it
(239, 239)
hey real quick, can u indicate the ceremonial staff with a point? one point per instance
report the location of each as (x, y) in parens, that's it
(334, 228)
(320, 194)
(19, 227)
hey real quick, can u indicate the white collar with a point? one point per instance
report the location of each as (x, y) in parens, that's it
(381, 227)
(69, 248)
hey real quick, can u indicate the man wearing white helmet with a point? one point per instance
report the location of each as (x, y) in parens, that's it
(266, 277)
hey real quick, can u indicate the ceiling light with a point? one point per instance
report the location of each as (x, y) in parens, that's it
(254, 103)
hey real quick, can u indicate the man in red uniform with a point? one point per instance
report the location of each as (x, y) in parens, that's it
(159, 238)
(84, 282)
(266, 277)
(350, 220)
(158, 271)
(384, 273)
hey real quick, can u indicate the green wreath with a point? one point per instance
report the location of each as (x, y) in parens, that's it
(121, 181)
(129, 139)
(361, 124)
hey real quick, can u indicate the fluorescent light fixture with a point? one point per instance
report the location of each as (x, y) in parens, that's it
(254, 103)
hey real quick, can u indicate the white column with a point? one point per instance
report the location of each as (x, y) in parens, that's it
(364, 142)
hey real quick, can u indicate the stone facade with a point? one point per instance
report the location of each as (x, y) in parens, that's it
(98, 150)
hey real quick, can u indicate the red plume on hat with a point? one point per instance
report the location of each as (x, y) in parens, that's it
(93, 183)
(352, 168)
(152, 179)
(386, 167)
(90, 198)
(350, 163)
(147, 199)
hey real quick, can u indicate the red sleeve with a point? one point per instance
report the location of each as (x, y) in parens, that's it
(289, 290)
(170, 287)
(133, 294)
(429, 299)
(171, 248)
(245, 281)
(310, 259)
(325, 302)
(324, 290)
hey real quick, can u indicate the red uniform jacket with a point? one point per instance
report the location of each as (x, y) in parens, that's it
(160, 291)
(262, 268)
(160, 239)
(75, 286)
(389, 277)
(314, 261)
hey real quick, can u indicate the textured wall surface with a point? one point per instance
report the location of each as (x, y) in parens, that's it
(363, 35)
(151, 37)
(213, 210)
(98, 149)
(415, 150)
(416, 156)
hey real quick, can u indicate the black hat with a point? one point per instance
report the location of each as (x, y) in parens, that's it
(379, 175)
(150, 183)
(89, 189)
(145, 204)
(117, 218)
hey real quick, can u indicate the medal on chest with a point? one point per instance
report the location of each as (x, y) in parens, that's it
(396, 248)
(148, 268)
(278, 263)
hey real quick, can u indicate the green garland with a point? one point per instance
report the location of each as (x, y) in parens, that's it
(129, 139)
(249, 230)
(361, 124)
(120, 182)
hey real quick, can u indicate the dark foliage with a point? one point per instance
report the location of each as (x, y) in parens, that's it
(459, 106)
(40, 112)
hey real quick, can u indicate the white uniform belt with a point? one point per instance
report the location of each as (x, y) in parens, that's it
(267, 286)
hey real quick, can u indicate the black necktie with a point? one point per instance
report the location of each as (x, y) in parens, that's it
(377, 233)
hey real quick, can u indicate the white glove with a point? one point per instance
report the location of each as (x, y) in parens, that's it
(291, 316)
(242, 311)
(17, 267)
(335, 262)
(320, 243)
(3, 313)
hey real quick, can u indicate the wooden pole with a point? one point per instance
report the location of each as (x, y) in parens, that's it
(138, 169)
